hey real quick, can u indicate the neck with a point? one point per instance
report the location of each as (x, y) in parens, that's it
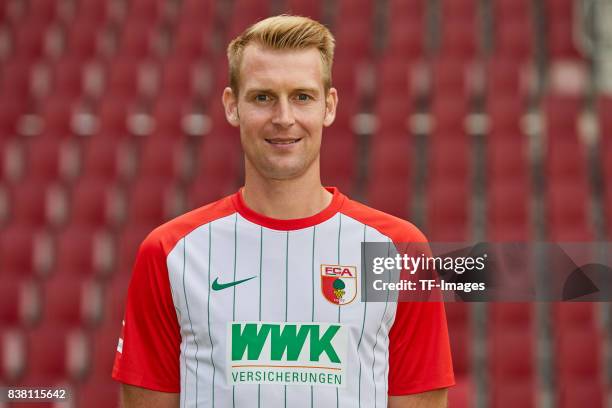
(301, 197)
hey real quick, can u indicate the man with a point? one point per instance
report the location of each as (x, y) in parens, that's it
(254, 300)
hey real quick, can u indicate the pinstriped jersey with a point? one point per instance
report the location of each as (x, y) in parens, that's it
(234, 309)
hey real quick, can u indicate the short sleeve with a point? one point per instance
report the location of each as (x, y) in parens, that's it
(419, 349)
(149, 348)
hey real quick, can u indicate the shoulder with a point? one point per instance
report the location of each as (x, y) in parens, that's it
(397, 229)
(166, 236)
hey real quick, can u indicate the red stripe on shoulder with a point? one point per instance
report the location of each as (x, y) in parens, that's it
(397, 229)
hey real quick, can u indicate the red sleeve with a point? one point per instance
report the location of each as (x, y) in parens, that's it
(419, 349)
(149, 348)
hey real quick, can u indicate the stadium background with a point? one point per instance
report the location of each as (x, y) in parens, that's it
(475, 119)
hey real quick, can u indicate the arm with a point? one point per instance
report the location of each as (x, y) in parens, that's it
(136, 397)
(429, 399)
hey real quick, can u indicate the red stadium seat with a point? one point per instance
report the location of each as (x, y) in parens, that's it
(608, 207)
(338, 163)
(582, 393)
(107, 158)
(83, 38)
(307, 8)
(450, 76)
(164, 158)
(151, 201)
(579, 357)
(462, 394)
(391, 195)
(29, 38)
(514, 39)
(406, 40)
(459, 9)
(574, 316)
(461, 351)
(177, 81)
(514, 394)
(54, 353)
(508, 210)
(604, 110)
(247, 12)
(560, 40)
(103, 393)
(57, 113)
(458, 315)
(512, 355)
(354, 40)
(113, 113)
(448, 211)
(449, 159)
(94, 202)
(507, 157)
(512, 9)
(51, 160)
(128, 243)
(19, 301)
(393, 112)
(83, 251)
(219, 157)
(514, 316)
(505, 113)
(123, 78)
(389, 187)
(15, 82)
(30, 202)
(354, 11)
(567, 211)
(10, 113)
(115, 294)
(449, 116)
(394, 77)
(44, 10)
(12, 354)
(406, 10)
(192, 40)
(96, 12)
(24, 250)
(138, 37)
(198, 10)
(567, 159)
(459, 39)
(145, 10)
(103, 354)
(561, 114)
(72, 302)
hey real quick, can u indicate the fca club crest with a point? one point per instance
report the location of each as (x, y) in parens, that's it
(339, 283)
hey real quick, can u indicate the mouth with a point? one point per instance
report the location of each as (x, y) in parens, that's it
(282, 142)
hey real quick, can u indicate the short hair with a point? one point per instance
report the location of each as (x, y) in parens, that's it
(283, 32)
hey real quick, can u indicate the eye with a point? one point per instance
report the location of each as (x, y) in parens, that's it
(302, 97)
(262, 98)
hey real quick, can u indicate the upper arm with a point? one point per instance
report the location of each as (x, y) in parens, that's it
(429, 399)
(149, 348)
(419, 349)
(136, 397)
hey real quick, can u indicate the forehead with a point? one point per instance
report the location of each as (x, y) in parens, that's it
(267, 68)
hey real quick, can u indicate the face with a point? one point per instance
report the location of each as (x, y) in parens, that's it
(281, 109)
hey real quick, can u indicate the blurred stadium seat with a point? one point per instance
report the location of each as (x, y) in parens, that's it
(458, 115)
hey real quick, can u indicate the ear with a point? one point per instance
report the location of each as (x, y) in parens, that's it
(331, 103)
(230, 103)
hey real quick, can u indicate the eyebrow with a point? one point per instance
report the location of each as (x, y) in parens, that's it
(250, 92)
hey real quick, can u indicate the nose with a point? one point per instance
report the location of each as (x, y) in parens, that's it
(283, 115)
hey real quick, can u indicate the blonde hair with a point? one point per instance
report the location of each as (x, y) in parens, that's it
(284, 32)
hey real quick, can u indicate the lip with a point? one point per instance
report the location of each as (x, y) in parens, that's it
(281, 142)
